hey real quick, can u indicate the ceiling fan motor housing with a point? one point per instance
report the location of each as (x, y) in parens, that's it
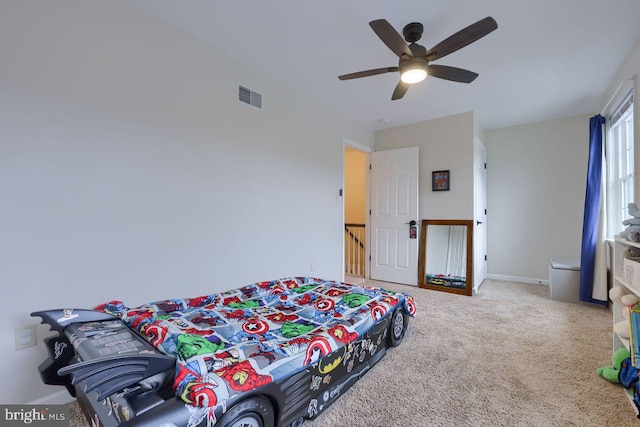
(413, 62)
(412, 32)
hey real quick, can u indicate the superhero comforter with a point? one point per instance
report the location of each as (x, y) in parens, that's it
(242, 339)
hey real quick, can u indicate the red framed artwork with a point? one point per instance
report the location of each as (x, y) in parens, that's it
(440, 180)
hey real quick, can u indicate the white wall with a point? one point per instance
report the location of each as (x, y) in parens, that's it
(445, 143)
(536, 178)
(536, 185)
(129, 171)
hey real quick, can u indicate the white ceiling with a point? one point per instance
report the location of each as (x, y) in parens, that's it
(547, 59)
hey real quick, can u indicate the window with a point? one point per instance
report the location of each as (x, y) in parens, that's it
(620, 165)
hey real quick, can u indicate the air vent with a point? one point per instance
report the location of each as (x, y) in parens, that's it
(249, 97)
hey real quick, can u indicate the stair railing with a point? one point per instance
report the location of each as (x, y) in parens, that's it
(355, 249)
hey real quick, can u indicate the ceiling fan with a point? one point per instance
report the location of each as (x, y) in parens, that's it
(414, 64)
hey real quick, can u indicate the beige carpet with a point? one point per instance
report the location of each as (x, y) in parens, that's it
(509, 356)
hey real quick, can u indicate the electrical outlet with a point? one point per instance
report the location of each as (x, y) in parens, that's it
(312, 267)
(25, 337)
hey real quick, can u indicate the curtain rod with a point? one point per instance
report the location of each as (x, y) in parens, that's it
(615, 94)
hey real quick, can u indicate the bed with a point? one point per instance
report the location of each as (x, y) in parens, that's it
(268, 354)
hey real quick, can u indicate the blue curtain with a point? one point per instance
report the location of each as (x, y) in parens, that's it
(591, 211)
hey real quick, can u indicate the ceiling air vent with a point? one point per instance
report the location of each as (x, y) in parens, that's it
(250, 97)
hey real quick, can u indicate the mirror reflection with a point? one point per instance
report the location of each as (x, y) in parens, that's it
(447, 265)
(445, 258)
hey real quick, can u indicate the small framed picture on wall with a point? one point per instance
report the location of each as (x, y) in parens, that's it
(440, 180)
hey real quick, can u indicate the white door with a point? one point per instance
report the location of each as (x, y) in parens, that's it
(394, 204)
(480, 202)
(456, 256)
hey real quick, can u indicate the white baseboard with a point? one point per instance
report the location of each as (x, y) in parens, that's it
(58, 398)
(518, 279)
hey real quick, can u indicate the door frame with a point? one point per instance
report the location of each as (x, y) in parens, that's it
(480, 197)
(367, 150)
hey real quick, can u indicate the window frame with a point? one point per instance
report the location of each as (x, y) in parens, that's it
(620, 164)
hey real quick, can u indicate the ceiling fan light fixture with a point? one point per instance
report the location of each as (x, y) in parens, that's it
(413, 70)
(414, 75)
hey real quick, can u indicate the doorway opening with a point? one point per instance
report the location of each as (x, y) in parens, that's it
(356, 208)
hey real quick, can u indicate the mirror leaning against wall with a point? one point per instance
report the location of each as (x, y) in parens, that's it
(445, 260)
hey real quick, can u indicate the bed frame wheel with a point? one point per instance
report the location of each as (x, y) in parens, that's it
(297, 423)
(397, 327)
(252, 412)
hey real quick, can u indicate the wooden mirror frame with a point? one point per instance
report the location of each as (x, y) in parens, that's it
(422, 255)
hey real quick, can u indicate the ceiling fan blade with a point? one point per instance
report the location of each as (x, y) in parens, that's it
(390, 37)
(400, 90)
(462, 38)
(368, 73)
(451, 73)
